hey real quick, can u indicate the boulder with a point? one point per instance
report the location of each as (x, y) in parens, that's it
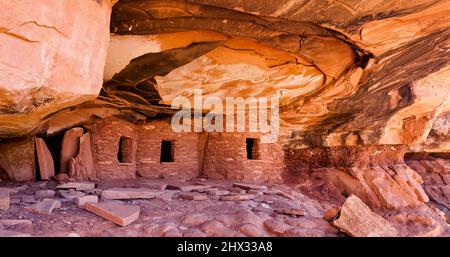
(356, 219)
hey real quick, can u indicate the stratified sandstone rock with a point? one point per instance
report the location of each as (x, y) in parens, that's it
(45, 159)
(12, 150)
(70, 147)
(356, 219)
(53, 53)
(376, 174)
(81, 167)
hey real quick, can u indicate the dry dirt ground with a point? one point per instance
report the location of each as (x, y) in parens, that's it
(275, 211)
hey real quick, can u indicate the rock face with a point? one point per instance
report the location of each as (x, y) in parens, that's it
(356, 219)
(376, 174)
(12, 150)
(52, 56)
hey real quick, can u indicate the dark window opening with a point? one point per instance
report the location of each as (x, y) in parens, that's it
(124, 155)
(252, 145)
(167, 151)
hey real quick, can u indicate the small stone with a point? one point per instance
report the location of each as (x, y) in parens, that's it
(291, 211)
(72, 234)
(331, 213)
(8, 233)
(41, 194)
(81, 201)
(265, 205)
(166, 196)
(255, 192)
(237, 197)
(249, 186)
(45, 207)
(5, 200)
(193, 196)
(70, 194)
(120, 214)
(61, 177)
(238, 190)
(79, 186)
(129, 193)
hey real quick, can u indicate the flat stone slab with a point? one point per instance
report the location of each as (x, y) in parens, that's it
(129, 193)
(193, 196)
(28, 199)
(41, 194)
(188, 188)
(120, 214)
(249, 186)
(8, 223)
(5, 200)
(80, 186)
(81, 201)
(237, 197)
(9, 233)
(45, 207)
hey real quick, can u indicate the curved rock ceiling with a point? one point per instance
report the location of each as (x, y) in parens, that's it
(348, 71)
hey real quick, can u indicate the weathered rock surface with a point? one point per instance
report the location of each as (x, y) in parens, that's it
(70, 147)
(356, 219)
(12, 150)
(53, 55)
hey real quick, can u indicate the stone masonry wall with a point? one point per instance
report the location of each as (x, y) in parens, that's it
(226, 158)
(185, 151)
(105, 147)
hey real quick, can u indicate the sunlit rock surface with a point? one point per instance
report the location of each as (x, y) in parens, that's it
(52, 56)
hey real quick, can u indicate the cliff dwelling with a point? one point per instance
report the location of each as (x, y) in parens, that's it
(225, 118)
